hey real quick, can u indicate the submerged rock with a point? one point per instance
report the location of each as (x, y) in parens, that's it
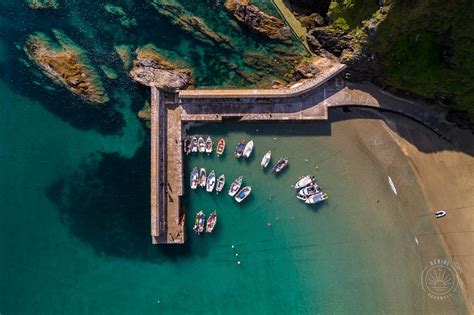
(119, 12)
(66, 65)
(43, 4)
(258, 21)
(124, 52)
(152, 69)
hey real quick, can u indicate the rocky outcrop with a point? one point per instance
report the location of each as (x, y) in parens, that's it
(43, 4)
(151, 69)
(258, 21)
(309, 6)
(66, 65)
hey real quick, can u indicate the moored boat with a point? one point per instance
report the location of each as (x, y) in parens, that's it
(307, 191)
(201, 145)
(266, 159)
(194, 178)
(211, 222)
(235, 186)
(248, 149)
(220, 183)
(280, 165)
(199, 223)
(194, 144)
(243, 193)
(209, 145)
(211, 181)
(239, 149)
(320, 196)
(220, 147)
(187, 145)
(202, 177)
(304, 181)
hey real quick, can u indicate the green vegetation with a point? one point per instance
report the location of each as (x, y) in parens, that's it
(349, 14)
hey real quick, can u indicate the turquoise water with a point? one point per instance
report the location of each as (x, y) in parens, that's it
(74, 202)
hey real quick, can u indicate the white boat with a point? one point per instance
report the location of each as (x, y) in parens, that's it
(201, 145)
(280, 165)
(199, 223)
(304, 181)
(243, 193)
(211, 181)
(248, 149)
(209, 145)
(266, 159)
(202, 177)
(220, 147)
(211, 222)
(392, 185)
(220, 183)
(194, 178)
(440, 214)
(310, 190)
(194, 144)
(235, 186)
(320, 196)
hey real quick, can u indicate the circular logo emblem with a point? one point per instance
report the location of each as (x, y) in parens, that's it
(439, 279)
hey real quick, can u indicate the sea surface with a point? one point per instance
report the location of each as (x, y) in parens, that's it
(74, 193)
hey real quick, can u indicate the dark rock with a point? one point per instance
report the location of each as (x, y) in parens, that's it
(307, 7)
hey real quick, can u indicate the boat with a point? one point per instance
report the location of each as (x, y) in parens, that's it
(187, 146)
(248, 149)
(239, 149)
(208, 145)
(194, 178)
(201, 145)
(202, 177)
(243, 193)
(235, 186)
(280, 165)
(440, 214)
(199, 223)
(211, 222)
(392, 185)
(220, 147)
(220, 183)
(266, 159)
(194, 144)
(304, 181)
(311, 189)
(320, 196)
(211, 181)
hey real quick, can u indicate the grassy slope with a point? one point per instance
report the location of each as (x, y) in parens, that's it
(409, 45)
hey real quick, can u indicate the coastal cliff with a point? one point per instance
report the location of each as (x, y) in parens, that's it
(66, 65)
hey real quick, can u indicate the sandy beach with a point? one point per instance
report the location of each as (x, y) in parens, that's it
(443, 172)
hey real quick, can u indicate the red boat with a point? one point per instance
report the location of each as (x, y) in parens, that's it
(220, 147)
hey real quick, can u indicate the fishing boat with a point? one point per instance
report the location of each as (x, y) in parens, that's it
(201, 145)
(211, 222)
(280, 165)
(248, 149)
(266, 159)
(208, 145)
(310, 190)
(320, 196)
(235, 186)
(194, 144)
(194, 178)
(304, 181)
(243, 193)
(220, 147)
(239, 149)
(211, 181)
(220, 183)
(202, 177)
(199, 223)
(187, 146)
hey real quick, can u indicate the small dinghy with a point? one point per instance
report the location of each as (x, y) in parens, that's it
(201, 145)
(235, 186)
(211, 181)
(220, 147)
(304, 181)
(440, 214)
(202, 177)
(320, 196)
(187, 146)
(211, 222)
(199, 224)
(220, 183)
(280, 165)
(194, 178)
(266, 159)
(209, 145)
(239, 149)
(248, 149)
(310, 190)
(244, 193)
(392, 186)
(194, 144)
